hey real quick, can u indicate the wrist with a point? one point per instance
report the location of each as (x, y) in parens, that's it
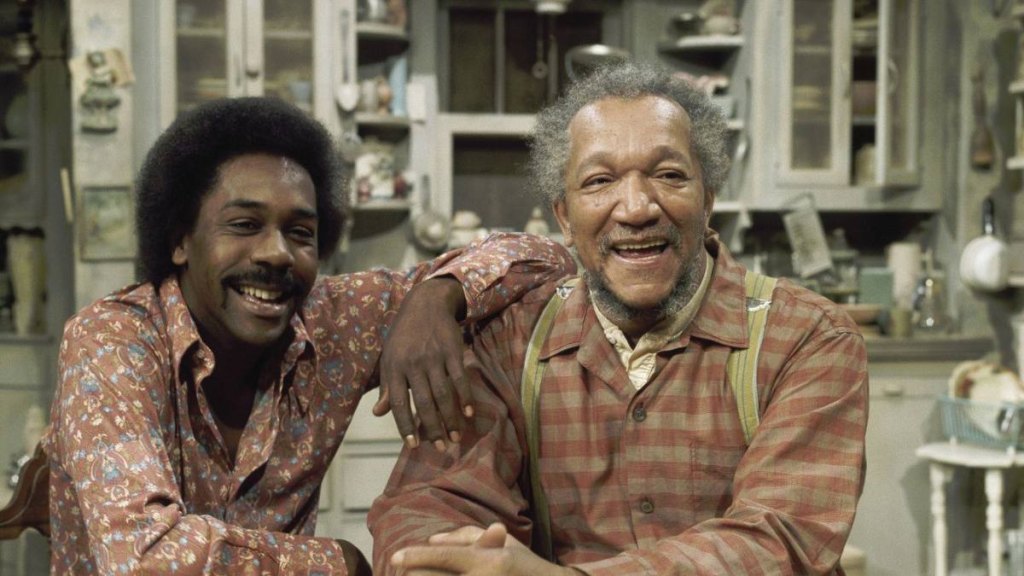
(449, 291)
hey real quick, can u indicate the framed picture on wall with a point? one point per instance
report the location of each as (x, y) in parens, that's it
(106, 223)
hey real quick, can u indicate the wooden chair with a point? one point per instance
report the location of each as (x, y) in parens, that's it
(30, 504)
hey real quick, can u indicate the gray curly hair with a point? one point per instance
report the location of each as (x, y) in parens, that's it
(549, 144)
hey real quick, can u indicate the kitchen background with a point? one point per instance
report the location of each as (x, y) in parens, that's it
(867, 137)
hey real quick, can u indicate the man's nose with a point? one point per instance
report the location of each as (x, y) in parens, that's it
(272, 249)
(638, 202)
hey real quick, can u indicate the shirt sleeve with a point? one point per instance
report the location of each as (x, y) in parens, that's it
(502, 267)
(796, 488)
(113, 482)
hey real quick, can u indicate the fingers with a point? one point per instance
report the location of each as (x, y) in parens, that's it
(465, 536)
(394, 395)
(423, 397)
(461, 384)
(493, 537)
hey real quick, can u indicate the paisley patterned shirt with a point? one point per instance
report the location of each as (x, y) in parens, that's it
(141, 480)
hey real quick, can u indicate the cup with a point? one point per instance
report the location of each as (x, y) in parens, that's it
(984, 264)
(904, 260)
(901, 322)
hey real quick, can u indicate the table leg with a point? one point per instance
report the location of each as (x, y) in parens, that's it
(939, 475)
(994, 519)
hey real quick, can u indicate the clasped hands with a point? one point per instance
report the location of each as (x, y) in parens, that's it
(474, 551)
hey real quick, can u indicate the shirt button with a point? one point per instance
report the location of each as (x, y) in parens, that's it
(646, 506)
(640, 413)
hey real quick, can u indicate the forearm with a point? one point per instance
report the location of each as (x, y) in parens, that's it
(500, 269)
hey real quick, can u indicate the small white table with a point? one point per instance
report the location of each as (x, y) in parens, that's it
(943, 457)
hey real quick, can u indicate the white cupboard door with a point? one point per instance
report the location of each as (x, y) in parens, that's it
(896, 161)
(815, 93)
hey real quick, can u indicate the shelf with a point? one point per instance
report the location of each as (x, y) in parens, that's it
(378, 31)
(1015, 163)
(281, 34)
(1017, 87)
(729, 207)
(709, 43)
(14, 144)
(382, 121)
(213, 33)
(9, 338)
(382, 206)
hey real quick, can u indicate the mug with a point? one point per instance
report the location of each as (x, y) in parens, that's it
(983, 264)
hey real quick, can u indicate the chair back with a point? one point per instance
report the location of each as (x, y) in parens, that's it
(29, 506)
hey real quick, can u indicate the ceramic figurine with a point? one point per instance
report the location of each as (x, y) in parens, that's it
(99, 98)
(384, 94)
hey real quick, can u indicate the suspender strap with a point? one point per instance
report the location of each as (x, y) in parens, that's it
(533, 370)
(741, 367)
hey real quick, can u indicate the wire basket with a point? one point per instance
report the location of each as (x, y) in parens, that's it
(992, 425)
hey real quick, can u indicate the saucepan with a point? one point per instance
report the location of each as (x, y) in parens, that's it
(580, 60)
(984, 261)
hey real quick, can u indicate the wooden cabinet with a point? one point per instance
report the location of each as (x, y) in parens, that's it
(232, 48)
(843, 110)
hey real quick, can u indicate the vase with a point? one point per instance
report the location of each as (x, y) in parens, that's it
(27, 263)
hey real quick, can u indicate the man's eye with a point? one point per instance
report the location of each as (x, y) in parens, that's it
(672, 176)
(303, 233)
(243, 225)
(596, 181)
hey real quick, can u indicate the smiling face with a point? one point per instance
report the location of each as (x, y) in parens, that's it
(634, 208)
(251, 257)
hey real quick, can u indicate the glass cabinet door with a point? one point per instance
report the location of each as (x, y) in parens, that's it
(288, 51)
(898, 89)
(201, 42)
(815, 101)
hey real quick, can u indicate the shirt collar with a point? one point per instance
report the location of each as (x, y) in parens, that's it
(186, 341)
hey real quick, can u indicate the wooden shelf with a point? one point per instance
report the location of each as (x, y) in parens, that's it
(709, 43)
(194, 32)
(382, 120)
(13, 144)
(378, 31)
(382, 206)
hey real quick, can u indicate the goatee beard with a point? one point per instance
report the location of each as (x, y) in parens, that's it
(686, 285)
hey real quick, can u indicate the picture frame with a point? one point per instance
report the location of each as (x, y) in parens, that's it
(106, 223)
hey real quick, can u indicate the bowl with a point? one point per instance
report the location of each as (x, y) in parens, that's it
(863, 314)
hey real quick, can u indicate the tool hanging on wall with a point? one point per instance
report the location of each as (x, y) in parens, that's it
(982, 145)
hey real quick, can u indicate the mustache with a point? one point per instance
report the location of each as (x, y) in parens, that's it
(666, 232)
(282, 280)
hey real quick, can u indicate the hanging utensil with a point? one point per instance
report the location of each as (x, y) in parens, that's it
(984, 263)
(740, 155)
(348, 92)
(579, 60)
(540, 67)
(430, 228)
(982, 145)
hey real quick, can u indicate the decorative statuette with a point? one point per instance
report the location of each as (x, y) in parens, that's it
(99, 98)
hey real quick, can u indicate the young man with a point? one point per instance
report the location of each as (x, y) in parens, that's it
(197, 412)
(642, 456)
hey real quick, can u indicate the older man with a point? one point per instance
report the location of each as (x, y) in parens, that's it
(642, 456)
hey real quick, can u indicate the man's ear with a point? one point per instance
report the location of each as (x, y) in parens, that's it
(562, 216)
(179, 255)
(709, 208)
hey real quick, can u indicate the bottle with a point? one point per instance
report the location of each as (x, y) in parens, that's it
(930, 299)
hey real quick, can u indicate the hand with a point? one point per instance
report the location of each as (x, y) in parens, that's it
(423, 353)
(473, 551)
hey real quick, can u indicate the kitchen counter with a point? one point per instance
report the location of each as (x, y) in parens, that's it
(949, 348)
